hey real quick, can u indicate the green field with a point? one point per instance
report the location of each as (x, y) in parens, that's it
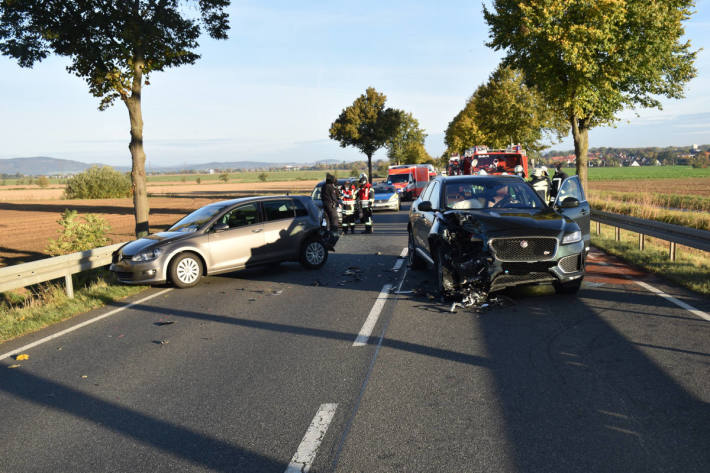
(645, 172)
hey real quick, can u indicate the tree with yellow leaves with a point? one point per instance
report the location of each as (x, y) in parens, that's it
(591, 60)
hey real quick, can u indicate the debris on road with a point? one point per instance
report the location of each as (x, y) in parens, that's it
(161, 342)
(21, 357)
(276, 293)
(14, 366)
(160, 323)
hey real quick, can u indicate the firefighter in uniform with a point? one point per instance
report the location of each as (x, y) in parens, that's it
(347, 192)
(365, 202)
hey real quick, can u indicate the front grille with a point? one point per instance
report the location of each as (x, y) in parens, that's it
(124, 275)
(569, 264)
(524, 249)
(505, 280)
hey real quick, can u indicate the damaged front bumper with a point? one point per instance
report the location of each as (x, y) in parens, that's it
(475, 279)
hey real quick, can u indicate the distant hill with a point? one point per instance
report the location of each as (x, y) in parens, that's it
(45, 166)
(41, 165)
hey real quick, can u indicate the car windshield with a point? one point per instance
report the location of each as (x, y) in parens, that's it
(397, 178)
(496, 162)
(491, 194)
(196, 219)
(384, 189)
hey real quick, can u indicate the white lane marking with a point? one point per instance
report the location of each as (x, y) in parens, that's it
(404, 276)
(306, 453)
(78, 326)
(371, 320)
(672, 299)
(398, 265)
(400, 261)
(658, 292)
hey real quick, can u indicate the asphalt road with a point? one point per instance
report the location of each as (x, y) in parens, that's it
(259, 369)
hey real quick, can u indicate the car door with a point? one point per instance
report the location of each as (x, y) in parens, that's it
(426, 220)
(572, 187)
(238, 245)
(417, 215)
(282, 229)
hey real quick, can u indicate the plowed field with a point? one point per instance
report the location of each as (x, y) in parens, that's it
(699, 186)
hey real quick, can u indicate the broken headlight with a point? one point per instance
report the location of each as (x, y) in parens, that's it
(573, 237)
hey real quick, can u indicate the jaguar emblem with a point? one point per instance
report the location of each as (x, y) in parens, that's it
(524, 244)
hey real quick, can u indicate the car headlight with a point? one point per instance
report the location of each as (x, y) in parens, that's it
(146, 255)
(393, 197)
(572, 237)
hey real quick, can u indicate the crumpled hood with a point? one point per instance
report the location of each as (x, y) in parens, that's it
(519, 222)
(151, 241)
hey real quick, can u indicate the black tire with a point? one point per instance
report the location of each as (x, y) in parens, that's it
(313, 254)
(186, 270)
(568, 288)
(415, 261)
(444, 283)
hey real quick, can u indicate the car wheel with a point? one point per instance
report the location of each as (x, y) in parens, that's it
(313, 254)
(444, 281)
(415, 261)
(568, 288)
(185, 270)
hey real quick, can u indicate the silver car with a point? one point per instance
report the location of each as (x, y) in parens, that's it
(225, 236)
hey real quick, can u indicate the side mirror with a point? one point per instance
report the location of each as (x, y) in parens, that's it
(424, 206)
(570, 203)
(220, 227)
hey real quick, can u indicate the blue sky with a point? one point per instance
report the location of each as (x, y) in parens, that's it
(271, 91)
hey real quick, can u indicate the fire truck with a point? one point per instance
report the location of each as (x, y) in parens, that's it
(511, 160)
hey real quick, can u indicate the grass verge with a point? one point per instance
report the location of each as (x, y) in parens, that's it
(21, 314)
(691, 268)
(668, 201)
(693, 219)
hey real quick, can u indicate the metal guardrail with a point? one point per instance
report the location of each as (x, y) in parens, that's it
(673, 234)
(26, 274)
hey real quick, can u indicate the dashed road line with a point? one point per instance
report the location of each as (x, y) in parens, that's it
(306, 453)
(369, 325)
(78, 326)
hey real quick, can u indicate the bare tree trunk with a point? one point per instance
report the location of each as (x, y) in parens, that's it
(140, 194)
(369, 168)
(580, 135)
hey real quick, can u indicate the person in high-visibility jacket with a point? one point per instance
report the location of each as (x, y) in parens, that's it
(365, 202)
(347, 193)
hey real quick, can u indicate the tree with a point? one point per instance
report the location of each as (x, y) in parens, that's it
(463, 131)
(507, 111)
(590, 60)
(366, 124)
(113, 46)
(503, 111)
(406, 136)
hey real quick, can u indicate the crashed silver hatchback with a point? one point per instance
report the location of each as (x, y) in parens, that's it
(226, 236)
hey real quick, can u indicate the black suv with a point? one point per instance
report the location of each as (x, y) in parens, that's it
(486, 233)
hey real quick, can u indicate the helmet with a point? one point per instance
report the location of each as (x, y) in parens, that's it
(518, 169)
(482, 173)
(363, 178)
(537, 172)
(544, 169)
